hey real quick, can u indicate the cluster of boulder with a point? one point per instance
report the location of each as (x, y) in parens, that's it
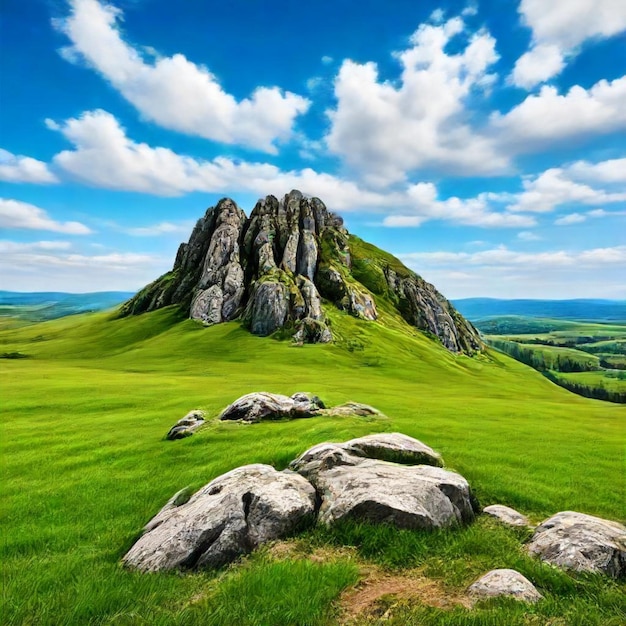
(382, 478)
(253, 504)
(274, 269)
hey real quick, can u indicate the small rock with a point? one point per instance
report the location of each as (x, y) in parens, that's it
(504, 582)
(506, 515)
(186, 426)
(581, 542)
(255, 407)
(229, 517)
(350, 409)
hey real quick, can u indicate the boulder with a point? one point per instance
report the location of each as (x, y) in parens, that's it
(229, 517)
(394, 447)
(258, 406)
(504, 582)
(309, 330)
(506, 515)
(414, 497)
(186, 426)
(581, 542)
(417, 497)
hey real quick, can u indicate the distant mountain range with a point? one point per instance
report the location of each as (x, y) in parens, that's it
(478, 309)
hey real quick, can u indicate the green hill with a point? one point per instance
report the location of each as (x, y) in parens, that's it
(85, 466)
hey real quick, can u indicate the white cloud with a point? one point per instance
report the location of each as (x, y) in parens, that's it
(46, 266)
(559, 27)
(385, 130)
(571, 218)
(23, 169)
(104, 156)
(611, 171)
(16, 214)
(527, 235)
(556, 187)
(327, 60)
(173, 91)
(548, 117)
(537, 65)
(504, 273)
(163, 228)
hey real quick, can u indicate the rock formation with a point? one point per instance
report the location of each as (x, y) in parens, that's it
(275, 269)
(238, 511)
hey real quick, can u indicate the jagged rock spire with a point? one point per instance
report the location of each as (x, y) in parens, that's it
(274, 268)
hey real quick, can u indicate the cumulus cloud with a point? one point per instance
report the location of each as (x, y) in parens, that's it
(106, 157)
(548, 117)
(557, 186)
(23, 169)
(385, 130)
(571, 218)
(173, 91)
(559, 27)
(16, 214)
(50, 265)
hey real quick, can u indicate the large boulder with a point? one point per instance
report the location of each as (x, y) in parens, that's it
(504, 583)
(258, 406)
(581, 542)
(229, 517)
(416, 497)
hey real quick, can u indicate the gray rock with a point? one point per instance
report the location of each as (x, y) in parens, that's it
(504, 582)
(361, 304)
(506, 515)
(419, 496)
(353, 409)
(394, 447)
(255, 407)
(268, 307)
(186, 426)
(229, 517)
(581, 542)
(414, 497)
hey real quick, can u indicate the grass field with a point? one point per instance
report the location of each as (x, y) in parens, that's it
(85, 465)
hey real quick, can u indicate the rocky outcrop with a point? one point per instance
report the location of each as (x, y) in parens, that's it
(227, 518)
(186, 426)
(273, 269)
(581, 542)
(237, 512)
(506, 515)
(259, 406)
(504, 583)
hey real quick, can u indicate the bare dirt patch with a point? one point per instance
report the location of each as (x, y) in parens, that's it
(361, 601)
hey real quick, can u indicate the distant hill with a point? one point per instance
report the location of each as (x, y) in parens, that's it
(480, 309)
(41, 306)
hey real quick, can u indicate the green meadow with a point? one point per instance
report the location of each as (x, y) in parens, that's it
(85, 466)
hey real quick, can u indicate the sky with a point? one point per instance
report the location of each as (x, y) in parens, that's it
(481, 142)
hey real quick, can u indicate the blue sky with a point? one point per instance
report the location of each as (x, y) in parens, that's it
(483, 143)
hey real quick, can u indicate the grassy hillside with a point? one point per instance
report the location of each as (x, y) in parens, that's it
(85, 466)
